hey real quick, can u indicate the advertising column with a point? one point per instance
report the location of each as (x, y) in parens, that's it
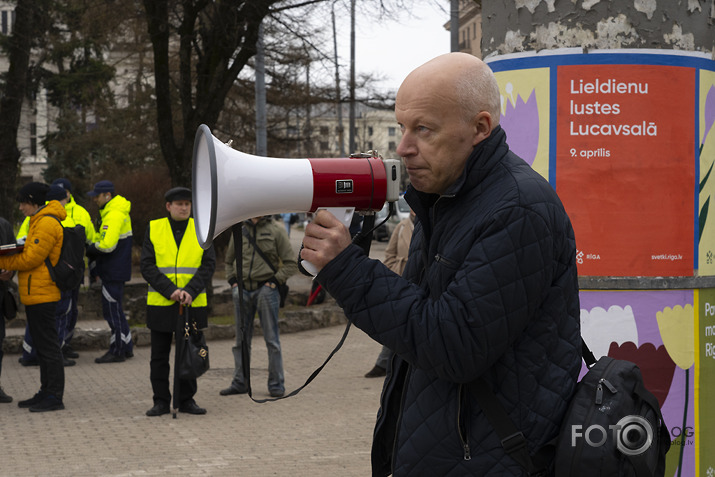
(627, 139)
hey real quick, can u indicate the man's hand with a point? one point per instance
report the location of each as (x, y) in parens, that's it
(182, 297)
(6, 275)
(325, 237)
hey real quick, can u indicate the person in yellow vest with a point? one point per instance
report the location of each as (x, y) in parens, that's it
(110, 257)
(79, 216)
(178, 272)
(22, 231)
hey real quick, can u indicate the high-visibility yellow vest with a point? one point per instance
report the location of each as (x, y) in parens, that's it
(180, 265)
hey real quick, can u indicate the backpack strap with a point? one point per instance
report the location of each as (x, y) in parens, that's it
(512, 439)
(258, 249)
(661, 438)
(49, 265)
(587, 355)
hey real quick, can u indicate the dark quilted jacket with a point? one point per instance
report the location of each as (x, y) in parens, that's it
(492, 292)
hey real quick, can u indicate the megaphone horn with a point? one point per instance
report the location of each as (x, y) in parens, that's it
(230, 186)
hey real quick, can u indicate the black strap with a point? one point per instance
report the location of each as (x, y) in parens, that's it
(258, 249)
(51, 268)
(245, 321)
(512, 439)
(588, 356)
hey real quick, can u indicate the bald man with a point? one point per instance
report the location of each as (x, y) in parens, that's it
(489, 296)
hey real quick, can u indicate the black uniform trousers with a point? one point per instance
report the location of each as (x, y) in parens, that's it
(160, 368)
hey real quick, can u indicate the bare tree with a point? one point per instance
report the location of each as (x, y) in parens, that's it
(207, 44)
(200, 49)
(29, 24)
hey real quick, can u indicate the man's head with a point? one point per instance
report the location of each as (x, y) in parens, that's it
(31, 197)
(102, 193)
(444, 108)
(58, 193)
(178, 203)
(65, 184)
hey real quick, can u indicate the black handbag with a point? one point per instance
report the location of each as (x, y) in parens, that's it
(194, 353)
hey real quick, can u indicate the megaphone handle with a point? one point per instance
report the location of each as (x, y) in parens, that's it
(344, 215)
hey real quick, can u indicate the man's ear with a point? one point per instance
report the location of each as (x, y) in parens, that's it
(168, 206)
(482, 127)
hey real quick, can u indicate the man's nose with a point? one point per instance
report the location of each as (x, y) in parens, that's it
(406, 147)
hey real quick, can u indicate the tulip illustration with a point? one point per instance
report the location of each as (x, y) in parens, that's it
(656, 366)
(677, 328)
(708, 120)
(709, 113)
(619, 321)
(521, 121)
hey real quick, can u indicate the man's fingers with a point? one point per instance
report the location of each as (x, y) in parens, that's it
(326, 219)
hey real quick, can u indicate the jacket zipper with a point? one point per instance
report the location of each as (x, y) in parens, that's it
(442, 259)
(399, 414)
(462, 430)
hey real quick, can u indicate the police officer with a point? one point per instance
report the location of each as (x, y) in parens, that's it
(79, 216)
(111, 253)
(178, 272)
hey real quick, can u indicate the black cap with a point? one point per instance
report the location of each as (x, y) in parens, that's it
(101, 187)
(178, 193)
(56, 192)
(64, 183)
(33, 193)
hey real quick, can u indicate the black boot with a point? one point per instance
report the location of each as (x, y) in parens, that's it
(4, 397)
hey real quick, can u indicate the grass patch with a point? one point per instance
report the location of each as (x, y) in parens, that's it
(222, 320)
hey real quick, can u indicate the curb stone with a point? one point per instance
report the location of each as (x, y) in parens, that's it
(291, 320)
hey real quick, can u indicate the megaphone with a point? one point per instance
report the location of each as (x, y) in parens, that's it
(230, 186)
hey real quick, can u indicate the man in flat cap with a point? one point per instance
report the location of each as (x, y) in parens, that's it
(178, 272)
(111, 261)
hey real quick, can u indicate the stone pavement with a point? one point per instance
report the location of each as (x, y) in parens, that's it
(326, 430)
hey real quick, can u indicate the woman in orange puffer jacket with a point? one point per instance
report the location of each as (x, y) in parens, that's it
(39, 293)
(36, 286)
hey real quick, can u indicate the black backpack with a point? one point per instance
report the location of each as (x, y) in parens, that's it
(69, 271)
(613, 426)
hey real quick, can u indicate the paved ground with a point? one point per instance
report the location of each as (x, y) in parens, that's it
(326, 430)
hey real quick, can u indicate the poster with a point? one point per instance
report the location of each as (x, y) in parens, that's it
(625, 138)
(657, 331)
(705, 379)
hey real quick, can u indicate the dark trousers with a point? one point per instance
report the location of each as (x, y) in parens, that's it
(72, 317)
(120, 342)
(2, 337)
(159, 371)
(61, 317)
(43, 328)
